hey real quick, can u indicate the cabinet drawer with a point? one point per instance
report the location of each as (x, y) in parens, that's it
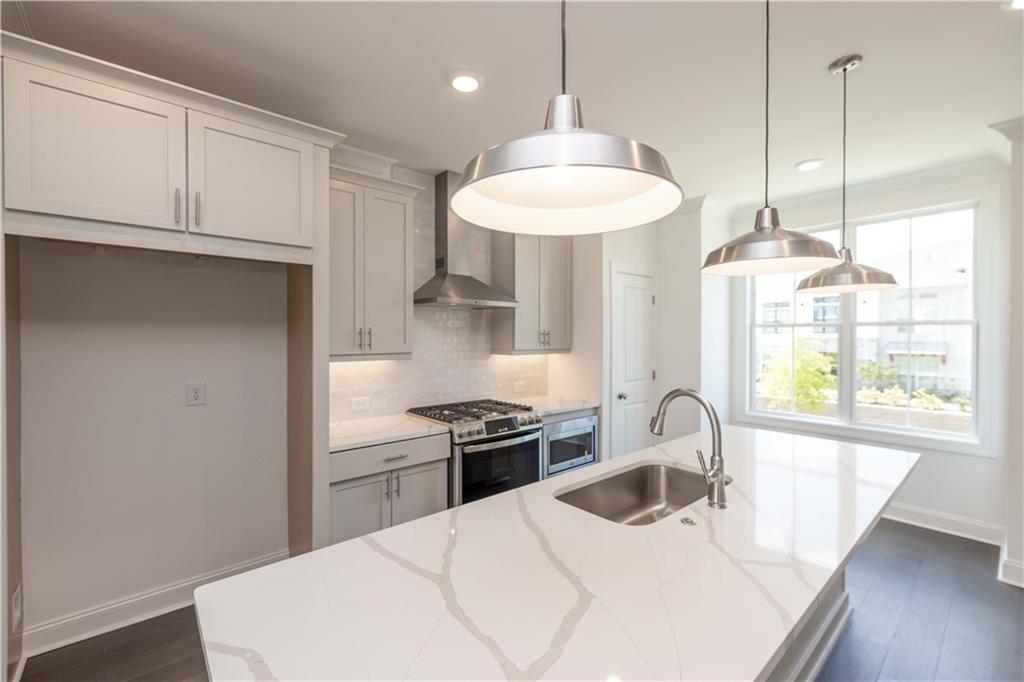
(377, 458)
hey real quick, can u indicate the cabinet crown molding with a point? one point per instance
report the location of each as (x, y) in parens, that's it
(48, 56)
(361, 161)
(345, 174)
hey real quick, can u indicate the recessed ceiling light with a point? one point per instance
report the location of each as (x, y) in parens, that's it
(808, 165)
(465, 80)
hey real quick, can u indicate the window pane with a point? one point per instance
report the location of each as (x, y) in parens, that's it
(815, 377)
(943, 266)
(773, 387)
(941, 395)
(919, 378)
(800, 378)
(882, 377)
(885, 246)
(773, 299)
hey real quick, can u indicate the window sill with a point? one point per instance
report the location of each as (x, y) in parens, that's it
(867, 435)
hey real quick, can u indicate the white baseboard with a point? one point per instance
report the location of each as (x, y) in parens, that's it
(1010, 570)
(75, 627)
(972, 529)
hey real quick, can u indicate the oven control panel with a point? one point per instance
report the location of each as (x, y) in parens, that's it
(470, 431)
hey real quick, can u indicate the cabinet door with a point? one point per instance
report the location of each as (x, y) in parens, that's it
(346, 238)
(556, 291)
(527, 278)
(388, 272)
(360, 506)
(249, 183)
(79, 148)
(419, 491)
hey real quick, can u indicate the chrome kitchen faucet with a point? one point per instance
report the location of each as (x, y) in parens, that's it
(715, 477)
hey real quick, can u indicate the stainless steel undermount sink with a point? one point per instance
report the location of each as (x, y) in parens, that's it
(641, 495)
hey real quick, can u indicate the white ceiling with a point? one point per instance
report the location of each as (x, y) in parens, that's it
(685, 77)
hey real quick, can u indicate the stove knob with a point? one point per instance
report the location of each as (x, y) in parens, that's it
(479, 431)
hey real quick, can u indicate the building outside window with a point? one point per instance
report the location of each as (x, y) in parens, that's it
(900, 359)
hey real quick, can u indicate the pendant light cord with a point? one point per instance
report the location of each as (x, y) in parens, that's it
(842, 230)
(563, 47)
(767, 34)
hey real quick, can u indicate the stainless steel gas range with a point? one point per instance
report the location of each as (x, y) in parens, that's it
(496, 446)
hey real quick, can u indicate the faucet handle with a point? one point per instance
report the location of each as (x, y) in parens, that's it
(704, 467)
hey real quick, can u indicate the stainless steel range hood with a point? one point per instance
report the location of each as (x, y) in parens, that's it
(453, 284)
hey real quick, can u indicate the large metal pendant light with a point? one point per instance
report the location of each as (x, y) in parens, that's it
(769, 249)
(566, 179)
(847, 276)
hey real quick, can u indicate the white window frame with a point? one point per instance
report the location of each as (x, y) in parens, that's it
(987, 191)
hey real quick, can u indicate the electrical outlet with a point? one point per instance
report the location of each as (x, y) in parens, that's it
(16, 608)
(359, 404)
(195, 393)
(518, 386)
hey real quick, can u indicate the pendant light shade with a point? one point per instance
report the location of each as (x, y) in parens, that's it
(566, 179)
(848, 276)
(769, 249)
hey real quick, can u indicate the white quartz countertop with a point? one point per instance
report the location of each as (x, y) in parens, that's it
(359, 433)
(521, 585)
(546, 405)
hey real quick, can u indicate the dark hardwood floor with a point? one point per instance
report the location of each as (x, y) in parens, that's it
(161, 649)
(927, 606)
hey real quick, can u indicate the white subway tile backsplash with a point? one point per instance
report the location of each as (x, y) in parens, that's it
(451, 357)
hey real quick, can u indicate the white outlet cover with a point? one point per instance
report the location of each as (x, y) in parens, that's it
(360, 404)
(519, 386)
(195, 393)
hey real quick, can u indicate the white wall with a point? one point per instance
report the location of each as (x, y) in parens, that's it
(451, 358)
(679, 314)
(127, 492)
(954, 487)
(715, 315)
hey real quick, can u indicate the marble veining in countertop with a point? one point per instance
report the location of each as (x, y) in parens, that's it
(523, 586)
(555, 404)
(359, 433)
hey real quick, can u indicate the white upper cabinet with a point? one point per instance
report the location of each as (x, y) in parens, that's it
(75, 147)
(101, 154)
(388, 271)
(556, 292)
(371, 269)
(249, 183)
(538, 271)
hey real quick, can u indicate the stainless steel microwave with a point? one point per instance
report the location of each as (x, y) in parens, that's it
(569, 444)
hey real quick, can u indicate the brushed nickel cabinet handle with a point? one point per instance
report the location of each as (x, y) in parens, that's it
(197, 209)
(360, 338)
(177, 205)
(387, 488)
(398, 484)
(395, 458)
(369, 338)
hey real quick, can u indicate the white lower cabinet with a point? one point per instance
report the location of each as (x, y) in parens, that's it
(360, 506)
(363, 502)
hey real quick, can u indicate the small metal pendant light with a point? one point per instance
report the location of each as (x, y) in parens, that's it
(566, 179)
(847, 276)
(769, 249)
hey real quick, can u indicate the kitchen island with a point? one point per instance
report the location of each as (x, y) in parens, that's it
(524, 586)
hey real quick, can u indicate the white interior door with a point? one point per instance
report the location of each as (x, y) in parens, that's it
(632, 361)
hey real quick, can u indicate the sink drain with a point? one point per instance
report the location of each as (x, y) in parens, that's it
(687, 521)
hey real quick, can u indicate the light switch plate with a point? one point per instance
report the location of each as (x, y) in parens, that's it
(195, 393)
(359, 404)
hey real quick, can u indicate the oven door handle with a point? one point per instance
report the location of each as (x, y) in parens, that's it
(484, 447)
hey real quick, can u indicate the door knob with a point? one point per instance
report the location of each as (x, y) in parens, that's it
(623, 396)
